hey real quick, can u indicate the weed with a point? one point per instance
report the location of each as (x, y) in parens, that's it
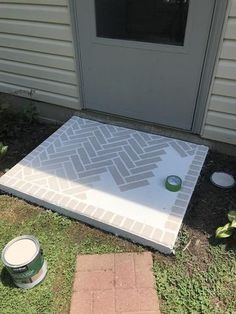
(3, 150)
(13, 122)
(229, 229)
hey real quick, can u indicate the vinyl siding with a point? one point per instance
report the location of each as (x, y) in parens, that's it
(36, 51)
(220, 122)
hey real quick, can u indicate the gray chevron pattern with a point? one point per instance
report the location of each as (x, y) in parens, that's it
(86, 149)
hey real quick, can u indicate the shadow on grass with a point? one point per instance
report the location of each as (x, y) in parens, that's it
(6, 278)
(229, 243)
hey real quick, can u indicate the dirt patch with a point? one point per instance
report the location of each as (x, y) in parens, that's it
(14, 210)
(80, 232)
(27, 139)
(209, 205)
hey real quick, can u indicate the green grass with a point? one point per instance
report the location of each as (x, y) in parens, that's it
(189, 285)
(185, 284)
(61, 239)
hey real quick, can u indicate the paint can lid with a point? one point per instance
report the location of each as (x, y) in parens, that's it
(173, 183)
(222, 180)
(20, 251)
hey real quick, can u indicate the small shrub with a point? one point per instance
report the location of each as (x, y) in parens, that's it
(12, 122)
(3, 150)
(229, 229)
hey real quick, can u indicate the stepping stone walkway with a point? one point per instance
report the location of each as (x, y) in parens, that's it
(114, 284)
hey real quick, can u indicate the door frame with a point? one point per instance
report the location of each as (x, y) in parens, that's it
(212, 51)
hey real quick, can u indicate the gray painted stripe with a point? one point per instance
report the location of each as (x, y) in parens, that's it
(190, 178)
(69, 171)
(116, 175)
(155, 148)
(141, 176)
(178, 149)
(143, 168)
(134, 185)
(132, 154)
(94, 142)
(193, 173)
(140, 140)
(195, 168)
(121, 167)
(53, 161)
(114, 144)
(160, 140)
(91, 172)
(105, 157)
(77, 163)
(186, 190)
(81, 131)
(200, 153)
(63, 154)
(105, 131)
(70, 147)
(145, 136)
(191, 152)
(153, 154)
(99, 164)
(184, 145)
(184, 197)
(117, 139)
(135, 146)
(83, 156)
(50, 149)
(110, 150)
(100, 137)
(147, 161)
(181, 203)
(89, 149)
(127, 161)
(188, 183)
(88, 180)
(197, 163)
(80, 136)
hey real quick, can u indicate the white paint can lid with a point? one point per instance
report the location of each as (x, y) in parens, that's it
(222, 180)
(20, 251)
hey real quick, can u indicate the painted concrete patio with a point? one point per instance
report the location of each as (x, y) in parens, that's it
(112, 178)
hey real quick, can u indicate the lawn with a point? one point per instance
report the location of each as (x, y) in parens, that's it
(200, 278)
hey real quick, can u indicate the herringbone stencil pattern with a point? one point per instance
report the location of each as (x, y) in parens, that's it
(68, 170)
(88, 148)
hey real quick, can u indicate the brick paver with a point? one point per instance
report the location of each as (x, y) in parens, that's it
(114, 284)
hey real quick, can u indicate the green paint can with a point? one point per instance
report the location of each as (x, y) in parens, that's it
(24, 261)
(173, 183)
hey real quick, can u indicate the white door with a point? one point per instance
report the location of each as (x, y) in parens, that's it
(143, 59)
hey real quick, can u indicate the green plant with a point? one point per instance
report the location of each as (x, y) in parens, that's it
(227, 230)
(12, 122)
(3, 150)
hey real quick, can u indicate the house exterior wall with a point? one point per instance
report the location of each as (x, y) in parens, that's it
(37, 61)
(220, 120)
(36, 51)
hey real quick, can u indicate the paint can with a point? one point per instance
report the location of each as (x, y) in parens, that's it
(24, 261)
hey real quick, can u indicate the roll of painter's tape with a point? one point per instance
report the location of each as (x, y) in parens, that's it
(173, 183)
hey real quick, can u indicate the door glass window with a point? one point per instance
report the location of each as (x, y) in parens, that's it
(154, 21)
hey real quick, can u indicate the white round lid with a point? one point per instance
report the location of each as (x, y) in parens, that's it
(222, 180)
(20, 252)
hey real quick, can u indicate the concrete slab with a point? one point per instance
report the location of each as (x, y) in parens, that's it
(111, 177)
